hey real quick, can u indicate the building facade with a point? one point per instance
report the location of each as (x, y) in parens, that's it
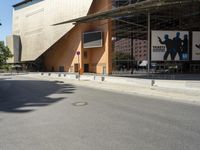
(168, 36)
(132, 31)
(33, 20)
(140, 48)
(55, 47)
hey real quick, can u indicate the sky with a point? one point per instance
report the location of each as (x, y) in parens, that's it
(6, 17)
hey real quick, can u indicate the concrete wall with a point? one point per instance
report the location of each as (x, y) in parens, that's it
(33, 22)
(14, 45)
(63, 52)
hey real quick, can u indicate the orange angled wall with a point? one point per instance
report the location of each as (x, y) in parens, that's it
(63, 52)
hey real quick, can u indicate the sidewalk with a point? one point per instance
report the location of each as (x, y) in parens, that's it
(181, 91)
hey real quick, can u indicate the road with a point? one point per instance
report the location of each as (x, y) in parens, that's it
(51, 115)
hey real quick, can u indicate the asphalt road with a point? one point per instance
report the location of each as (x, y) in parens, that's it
(46, 115)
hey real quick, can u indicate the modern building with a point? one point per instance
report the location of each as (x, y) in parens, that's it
(67, 35)
(140, 48)
(54, 48)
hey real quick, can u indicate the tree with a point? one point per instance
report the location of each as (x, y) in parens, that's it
(121, 56)
(4, 54)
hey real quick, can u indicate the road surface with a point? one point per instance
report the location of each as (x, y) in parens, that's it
(51, 115)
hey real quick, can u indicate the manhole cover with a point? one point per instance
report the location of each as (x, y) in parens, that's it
(80, 104)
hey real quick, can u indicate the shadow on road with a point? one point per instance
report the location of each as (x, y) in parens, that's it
(22, 96)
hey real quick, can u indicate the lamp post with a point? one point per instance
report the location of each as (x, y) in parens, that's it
(78, 54)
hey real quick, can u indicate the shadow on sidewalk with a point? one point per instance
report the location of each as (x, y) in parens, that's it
(22, 96)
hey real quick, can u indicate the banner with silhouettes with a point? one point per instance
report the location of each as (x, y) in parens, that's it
(196, 45)
(169, 45)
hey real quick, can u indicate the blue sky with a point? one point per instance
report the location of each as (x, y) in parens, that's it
(6, 17)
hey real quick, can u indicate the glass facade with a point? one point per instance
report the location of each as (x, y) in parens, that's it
(130, 39)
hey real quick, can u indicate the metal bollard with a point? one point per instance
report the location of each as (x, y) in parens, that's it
(102, 78)
(152, 82)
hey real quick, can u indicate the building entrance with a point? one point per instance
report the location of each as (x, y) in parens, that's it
(76, 67)
(86, 67)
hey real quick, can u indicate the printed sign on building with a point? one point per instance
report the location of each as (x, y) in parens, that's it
(169, 45)
(196, 46)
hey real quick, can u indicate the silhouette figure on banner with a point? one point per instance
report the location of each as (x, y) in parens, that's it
(198, 46)
(175, 46)
(169, 45)
(184, 52)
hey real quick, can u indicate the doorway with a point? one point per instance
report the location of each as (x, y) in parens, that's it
(86, 67)
(76, 67)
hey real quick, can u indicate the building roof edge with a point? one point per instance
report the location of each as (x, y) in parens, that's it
(21, 3)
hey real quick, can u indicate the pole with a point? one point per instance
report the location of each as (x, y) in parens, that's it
(78, 54)
(132, 48)
(149, 45)
(78, 68)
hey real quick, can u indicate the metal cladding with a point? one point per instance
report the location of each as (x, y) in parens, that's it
(33, 19)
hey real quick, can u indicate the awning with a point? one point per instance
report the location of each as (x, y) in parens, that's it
(136, 8)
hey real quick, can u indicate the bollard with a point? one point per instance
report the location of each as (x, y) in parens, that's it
(102, 78)
(152, 82)
(78, 76)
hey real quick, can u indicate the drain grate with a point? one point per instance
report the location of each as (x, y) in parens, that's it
(80, 104)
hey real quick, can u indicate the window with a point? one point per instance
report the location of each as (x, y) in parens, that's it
(85, 54)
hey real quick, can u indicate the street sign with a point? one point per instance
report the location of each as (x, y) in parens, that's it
(78, 53)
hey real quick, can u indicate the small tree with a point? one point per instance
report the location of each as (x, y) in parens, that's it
(121, 56)
(4, 54)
